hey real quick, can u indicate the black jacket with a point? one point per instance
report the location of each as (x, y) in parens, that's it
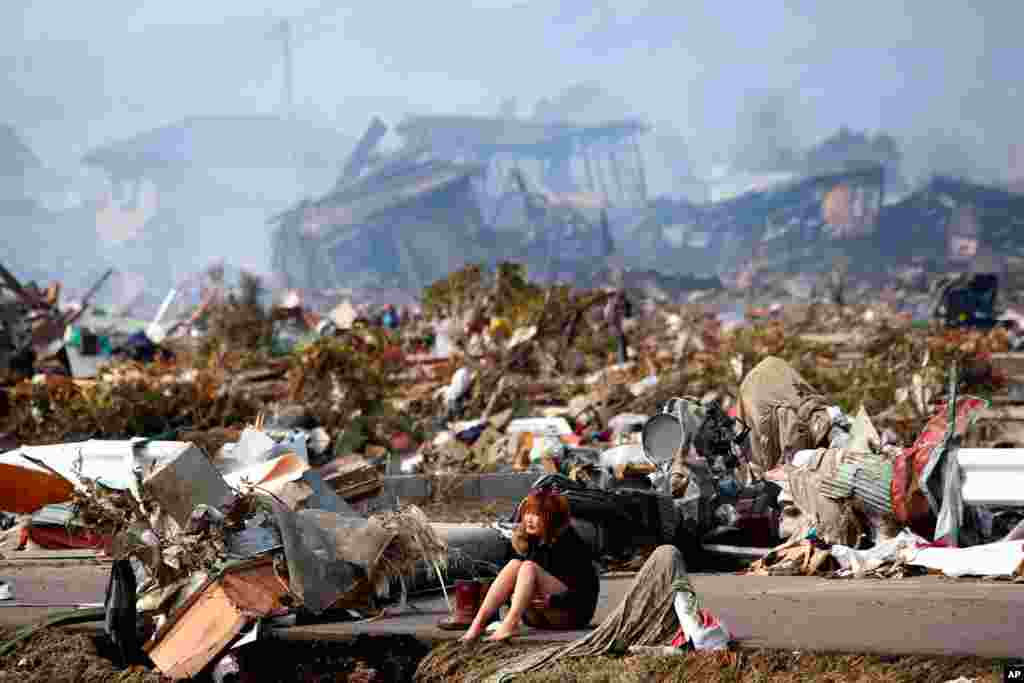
(570, 560)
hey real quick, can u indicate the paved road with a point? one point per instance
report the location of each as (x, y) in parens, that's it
(42, 588)
(927, 615)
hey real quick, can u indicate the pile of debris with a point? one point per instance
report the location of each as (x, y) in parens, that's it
(203, 552)
(234, 465)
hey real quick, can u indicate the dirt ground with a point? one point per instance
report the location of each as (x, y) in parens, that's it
(746, 666)
(763, 666)
(365, 659)
(73, 657)
(62, 656)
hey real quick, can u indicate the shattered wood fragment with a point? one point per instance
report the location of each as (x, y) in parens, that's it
(213, 616)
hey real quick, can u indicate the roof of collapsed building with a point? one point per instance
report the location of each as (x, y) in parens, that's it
(499, 134)
(388, 188)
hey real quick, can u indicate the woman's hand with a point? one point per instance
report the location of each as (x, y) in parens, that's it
(520, 540)
(541, 601)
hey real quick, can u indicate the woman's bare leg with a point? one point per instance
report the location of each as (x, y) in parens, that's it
(500, 589)
(530, 581)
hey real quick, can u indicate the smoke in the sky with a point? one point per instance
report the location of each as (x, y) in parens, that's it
(942, 78)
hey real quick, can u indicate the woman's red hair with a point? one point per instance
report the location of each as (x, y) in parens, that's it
(553, 510)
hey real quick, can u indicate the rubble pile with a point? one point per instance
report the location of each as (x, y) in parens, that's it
(232, 461)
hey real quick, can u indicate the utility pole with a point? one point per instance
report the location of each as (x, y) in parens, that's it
(284, 32)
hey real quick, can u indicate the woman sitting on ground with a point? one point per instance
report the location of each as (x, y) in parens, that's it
(552, 580)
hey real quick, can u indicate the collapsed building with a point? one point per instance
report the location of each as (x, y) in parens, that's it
(190, 189)
(802, 226)
(564, 199)
(463, 190)
(406, 224)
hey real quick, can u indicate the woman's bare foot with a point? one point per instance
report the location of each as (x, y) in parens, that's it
(501, 634)
(471, 635)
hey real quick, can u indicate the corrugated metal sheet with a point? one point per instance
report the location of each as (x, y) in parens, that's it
(840, 484)
(874, 487)
(865, 476)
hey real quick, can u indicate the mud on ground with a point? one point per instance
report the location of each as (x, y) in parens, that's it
(746, 666)
(63, 656)
(762, 666)
(380, 660)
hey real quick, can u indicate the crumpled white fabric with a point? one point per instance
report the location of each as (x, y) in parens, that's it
(862, 561)
(990, 559)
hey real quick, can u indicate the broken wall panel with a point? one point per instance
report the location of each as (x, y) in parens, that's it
(214, 616)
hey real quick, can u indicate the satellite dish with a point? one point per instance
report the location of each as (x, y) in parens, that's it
(666, 433)
(663, 435)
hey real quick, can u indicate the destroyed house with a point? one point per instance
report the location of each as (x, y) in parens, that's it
(786, 227)
(955, 224)
(211, 163)
(463, 190)
(196, 186)
(802, 227)
(778, 227)
(403, 224)
(211, 142)
(564, 158)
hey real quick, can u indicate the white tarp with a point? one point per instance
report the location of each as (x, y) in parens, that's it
(108, 462)
(991, 559)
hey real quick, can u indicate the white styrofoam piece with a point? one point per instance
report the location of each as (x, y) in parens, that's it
(548, 426)
(253, 446)
(1002, 459)
(992, 476)
(630, 453)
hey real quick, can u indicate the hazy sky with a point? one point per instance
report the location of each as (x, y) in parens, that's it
(80, 74)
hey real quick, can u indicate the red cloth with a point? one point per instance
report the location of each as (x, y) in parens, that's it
(908, 501)
(707, 620)
(60, 538)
